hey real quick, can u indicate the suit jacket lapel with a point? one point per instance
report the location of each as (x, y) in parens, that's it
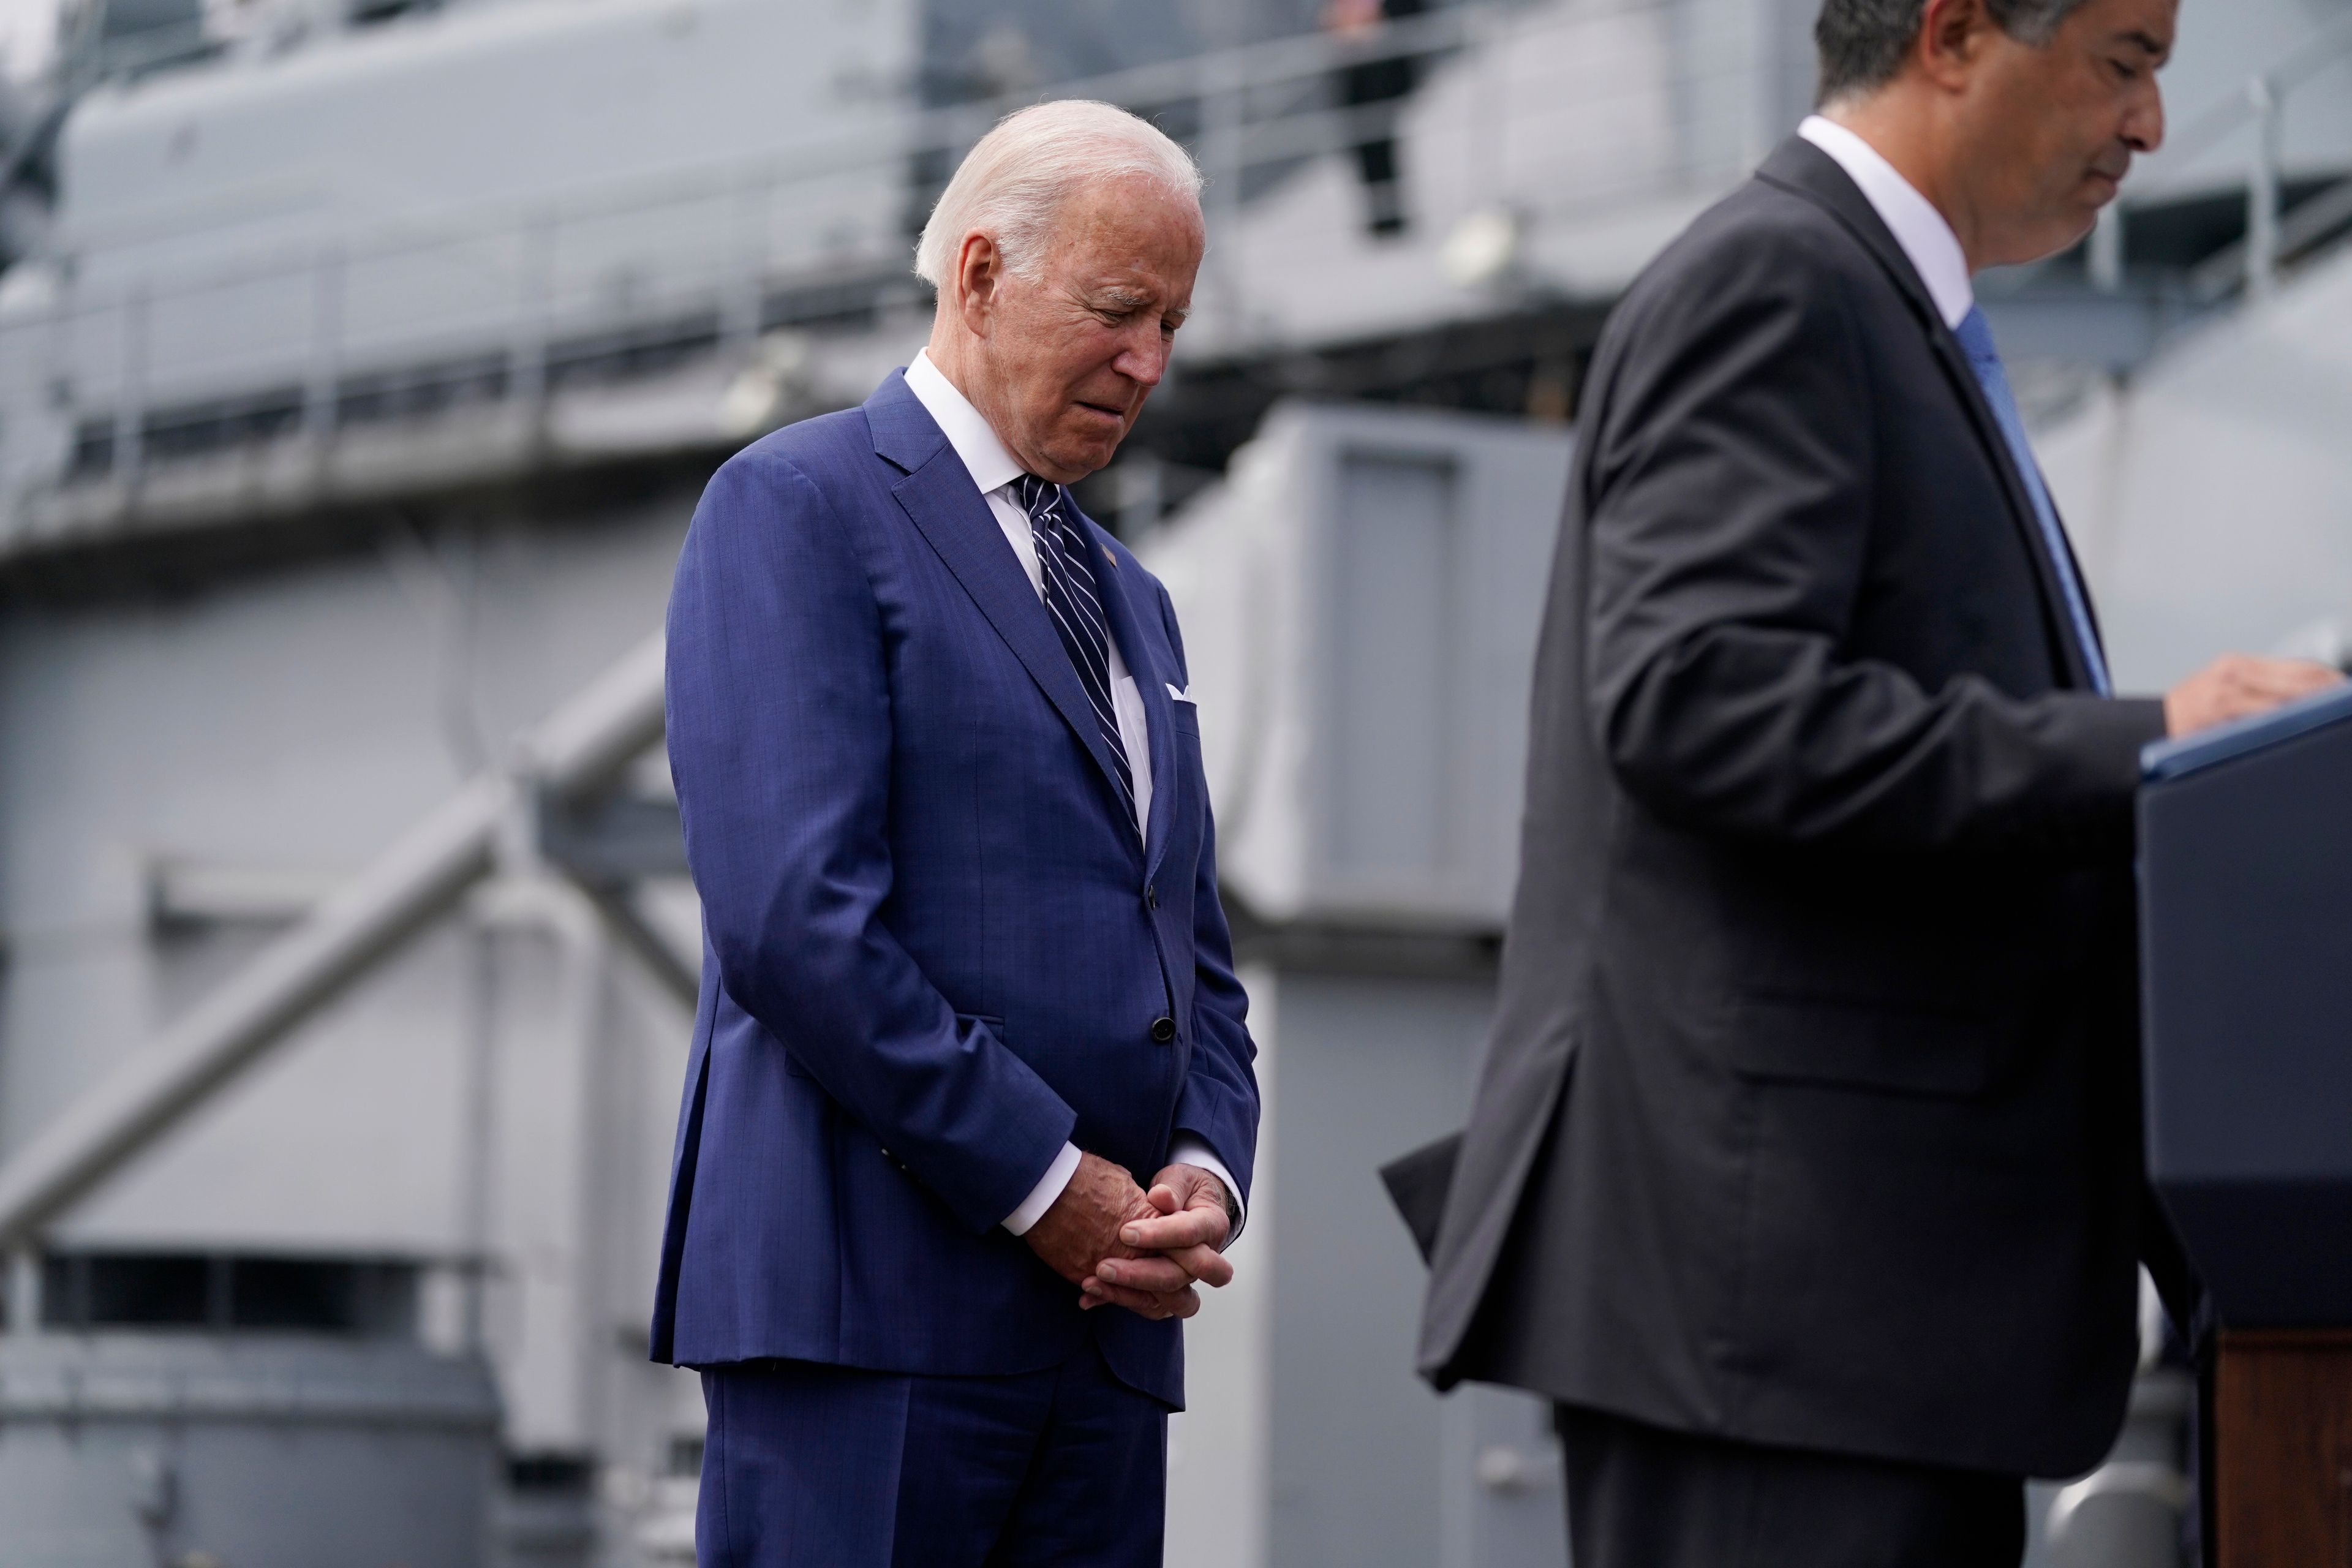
(1799, 167)
(937, 494)
(1127, 621)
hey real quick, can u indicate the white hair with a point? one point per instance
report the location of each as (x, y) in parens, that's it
(1014, 182)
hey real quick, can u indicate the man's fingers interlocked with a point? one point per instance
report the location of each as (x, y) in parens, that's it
(1173, 1232)
(1167, 1271)
(1155, 1305)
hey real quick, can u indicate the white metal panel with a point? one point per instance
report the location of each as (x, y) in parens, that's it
(2210, 497)
(1395, 554)
(1360, 605)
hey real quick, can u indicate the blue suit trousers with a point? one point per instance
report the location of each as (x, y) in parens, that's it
(833, 1466)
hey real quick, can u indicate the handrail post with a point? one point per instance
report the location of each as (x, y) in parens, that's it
(24, 1286)
(1224, 95)
(741, 302)
(56, 375)
(2106, 258)
(325, 368)
(2263, 191)
(527, 371)
(1485, 33)
(130, 402)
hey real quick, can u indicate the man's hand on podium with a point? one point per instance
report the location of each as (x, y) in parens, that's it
(2239, 686)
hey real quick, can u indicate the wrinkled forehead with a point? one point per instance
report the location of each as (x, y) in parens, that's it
(1128, 233)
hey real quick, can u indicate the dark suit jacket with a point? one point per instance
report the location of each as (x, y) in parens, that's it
(934, 945)
(1810, 1112)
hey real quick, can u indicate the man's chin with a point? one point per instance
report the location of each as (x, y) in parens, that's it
(1078, 459)
(2098, 189)
(2058, 237)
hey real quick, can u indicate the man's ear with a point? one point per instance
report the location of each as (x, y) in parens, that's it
(1952, 38)
(978, 273)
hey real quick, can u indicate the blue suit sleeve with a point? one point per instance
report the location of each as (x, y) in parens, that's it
(780, 742)
(1219, 1103)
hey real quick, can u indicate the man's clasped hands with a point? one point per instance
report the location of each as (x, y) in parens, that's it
(1124, 1247)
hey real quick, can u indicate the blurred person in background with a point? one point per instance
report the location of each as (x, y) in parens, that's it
(1374, 82)
(1805, 1172)
(965, 968)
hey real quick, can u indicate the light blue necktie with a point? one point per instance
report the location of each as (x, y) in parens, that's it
(1976, 337)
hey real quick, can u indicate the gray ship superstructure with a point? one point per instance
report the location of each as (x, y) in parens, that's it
(358, 368)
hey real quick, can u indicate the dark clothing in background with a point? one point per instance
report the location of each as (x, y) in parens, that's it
(1811, 1115)
(1382, 82)
(1641, 1495)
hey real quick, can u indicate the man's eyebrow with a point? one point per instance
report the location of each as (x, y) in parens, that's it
(1113, 298)
(2149, 44)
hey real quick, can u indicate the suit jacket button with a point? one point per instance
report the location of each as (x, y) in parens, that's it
(1163, 1029)
(1152, 895)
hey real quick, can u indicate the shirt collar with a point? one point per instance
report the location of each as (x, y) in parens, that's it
(966, 428)
(1934, 249)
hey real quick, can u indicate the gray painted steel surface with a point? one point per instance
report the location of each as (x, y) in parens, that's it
(1360, 603)
(492, 1101)
(499, 1088)
(418, 877)
(121, 1449)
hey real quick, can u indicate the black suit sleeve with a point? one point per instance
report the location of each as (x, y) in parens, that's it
(1729, 497)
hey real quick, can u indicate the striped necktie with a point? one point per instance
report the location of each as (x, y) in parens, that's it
(1976, 338)
(1076, 605)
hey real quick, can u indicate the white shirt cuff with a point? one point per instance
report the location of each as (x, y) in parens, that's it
(1040, 1197)
(1188, 1150)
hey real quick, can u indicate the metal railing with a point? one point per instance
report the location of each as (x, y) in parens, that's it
(2275, 231)
(496, 303)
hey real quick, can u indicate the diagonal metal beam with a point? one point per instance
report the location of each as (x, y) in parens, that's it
(681, 978)
(585, 743)
(580, 748)
(418, 877)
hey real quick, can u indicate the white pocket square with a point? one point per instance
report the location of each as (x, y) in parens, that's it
(1183, 696)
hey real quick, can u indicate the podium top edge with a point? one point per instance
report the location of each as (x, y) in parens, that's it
(2163, 760)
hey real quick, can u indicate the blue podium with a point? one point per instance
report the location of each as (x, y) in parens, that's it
(2245, 836)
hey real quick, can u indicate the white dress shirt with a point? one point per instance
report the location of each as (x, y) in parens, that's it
(1922, 232)
(994, 472)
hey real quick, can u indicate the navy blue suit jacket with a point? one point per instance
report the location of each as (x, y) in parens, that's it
(934, 945)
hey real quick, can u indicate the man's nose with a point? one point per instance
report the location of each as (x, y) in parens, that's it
(1143, 358)
(2144, 125)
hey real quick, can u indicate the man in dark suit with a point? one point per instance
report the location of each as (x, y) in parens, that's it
(965, 967)
(1804, 1172)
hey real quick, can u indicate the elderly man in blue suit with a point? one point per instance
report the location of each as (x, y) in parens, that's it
(965, 971)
